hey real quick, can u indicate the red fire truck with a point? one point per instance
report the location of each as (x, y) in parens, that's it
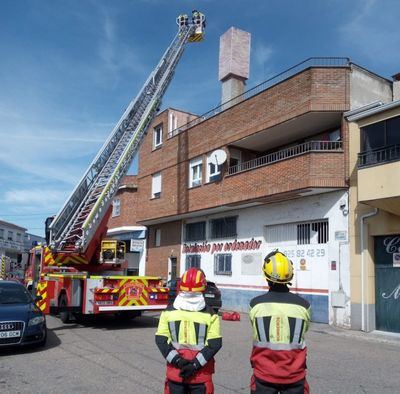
(80, 271)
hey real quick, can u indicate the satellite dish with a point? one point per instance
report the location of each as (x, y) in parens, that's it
(218, 157)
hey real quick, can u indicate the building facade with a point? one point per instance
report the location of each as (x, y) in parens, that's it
(12, 238)
(267, 169)
(375, 215)
(122, 225)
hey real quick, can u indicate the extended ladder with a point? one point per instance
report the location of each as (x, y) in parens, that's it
(75, 225)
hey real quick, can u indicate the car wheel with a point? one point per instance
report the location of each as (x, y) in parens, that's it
(64, 314)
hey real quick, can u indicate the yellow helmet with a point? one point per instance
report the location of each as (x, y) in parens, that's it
(278, 268)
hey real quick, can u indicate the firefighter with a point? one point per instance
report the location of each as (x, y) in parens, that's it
(279, 319)
(182, 20)
(198, 19)
(189, 336)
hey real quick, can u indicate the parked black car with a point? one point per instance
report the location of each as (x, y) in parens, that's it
(212, 294)
(21, 321)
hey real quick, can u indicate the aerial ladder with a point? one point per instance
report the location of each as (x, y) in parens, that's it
(76, 248)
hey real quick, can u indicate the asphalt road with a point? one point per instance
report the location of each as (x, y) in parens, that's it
(111, 356)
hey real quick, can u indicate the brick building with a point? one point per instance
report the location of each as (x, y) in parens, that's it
(122, 225)
(283, 184)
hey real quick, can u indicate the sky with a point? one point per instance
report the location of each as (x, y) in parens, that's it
(69, 68)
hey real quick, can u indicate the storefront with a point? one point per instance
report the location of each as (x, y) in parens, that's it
(311, 231)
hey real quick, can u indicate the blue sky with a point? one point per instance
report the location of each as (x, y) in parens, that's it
(69, 68)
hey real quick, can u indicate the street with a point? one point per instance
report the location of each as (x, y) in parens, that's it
(111, 356)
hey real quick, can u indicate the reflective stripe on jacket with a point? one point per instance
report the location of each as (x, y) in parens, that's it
(192, 335)
(279, 320)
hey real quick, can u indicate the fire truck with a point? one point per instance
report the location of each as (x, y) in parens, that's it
(79, 271)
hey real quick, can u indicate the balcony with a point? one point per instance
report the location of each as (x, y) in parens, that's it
(380, 168)
(301, 149)
(379, 156)
(316, 62)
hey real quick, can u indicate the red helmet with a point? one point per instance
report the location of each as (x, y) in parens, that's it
(193, 280)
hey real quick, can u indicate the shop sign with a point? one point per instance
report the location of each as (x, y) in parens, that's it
(137, 245)
(10, 245)
(392, 245)
(340, 235)
(215, 247)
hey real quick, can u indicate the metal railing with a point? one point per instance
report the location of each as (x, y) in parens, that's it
(310, 146)
(310, 62)
(379, 156)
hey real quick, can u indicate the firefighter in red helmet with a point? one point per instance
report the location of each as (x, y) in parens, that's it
(188, 337)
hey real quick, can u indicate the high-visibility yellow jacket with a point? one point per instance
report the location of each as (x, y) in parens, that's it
(192, 335)
(279, 320)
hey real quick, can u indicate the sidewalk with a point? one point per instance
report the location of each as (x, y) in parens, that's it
(375, 336)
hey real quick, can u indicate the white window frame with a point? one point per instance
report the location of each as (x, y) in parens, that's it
(196, 172)
(217, 170)
(10, 235)
(173, 122)
(156, 181)
(224, 256)
(1, 233)
(157, 136)
(157, 237)
(188, 259)
(116, 210)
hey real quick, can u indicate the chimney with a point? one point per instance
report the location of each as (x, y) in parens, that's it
(396, 87)
(234, 60)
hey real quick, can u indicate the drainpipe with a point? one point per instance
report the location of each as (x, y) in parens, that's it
(367, 215)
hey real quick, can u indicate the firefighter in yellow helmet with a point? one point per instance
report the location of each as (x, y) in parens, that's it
(279, 319)
(188, 337)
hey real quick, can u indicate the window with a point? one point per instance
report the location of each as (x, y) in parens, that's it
(173, 122)
(10, 236)
(157, 136)
(1, 233)
(213, 170)
(156, 185)
(393, 131)
(313, 233)
(223, 264)
(195, 231)
(116, 210)
(195, 172)
(157, 237)
(235, 157)
(373, 136)
(381, 134)
(192, 260)
(223, 227)
(19, 239)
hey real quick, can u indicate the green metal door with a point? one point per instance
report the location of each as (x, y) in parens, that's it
(387, 283)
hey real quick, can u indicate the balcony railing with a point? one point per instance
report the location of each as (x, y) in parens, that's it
(310, 62)
(379, 156)
(311, 146)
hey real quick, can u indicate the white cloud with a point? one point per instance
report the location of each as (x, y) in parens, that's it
(373, 30)
(262, 54)
(40, 198)
(115, 55)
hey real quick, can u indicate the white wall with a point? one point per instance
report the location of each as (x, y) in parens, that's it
(318, 275)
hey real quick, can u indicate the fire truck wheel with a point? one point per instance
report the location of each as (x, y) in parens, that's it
(128, 315)
(64, 314)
